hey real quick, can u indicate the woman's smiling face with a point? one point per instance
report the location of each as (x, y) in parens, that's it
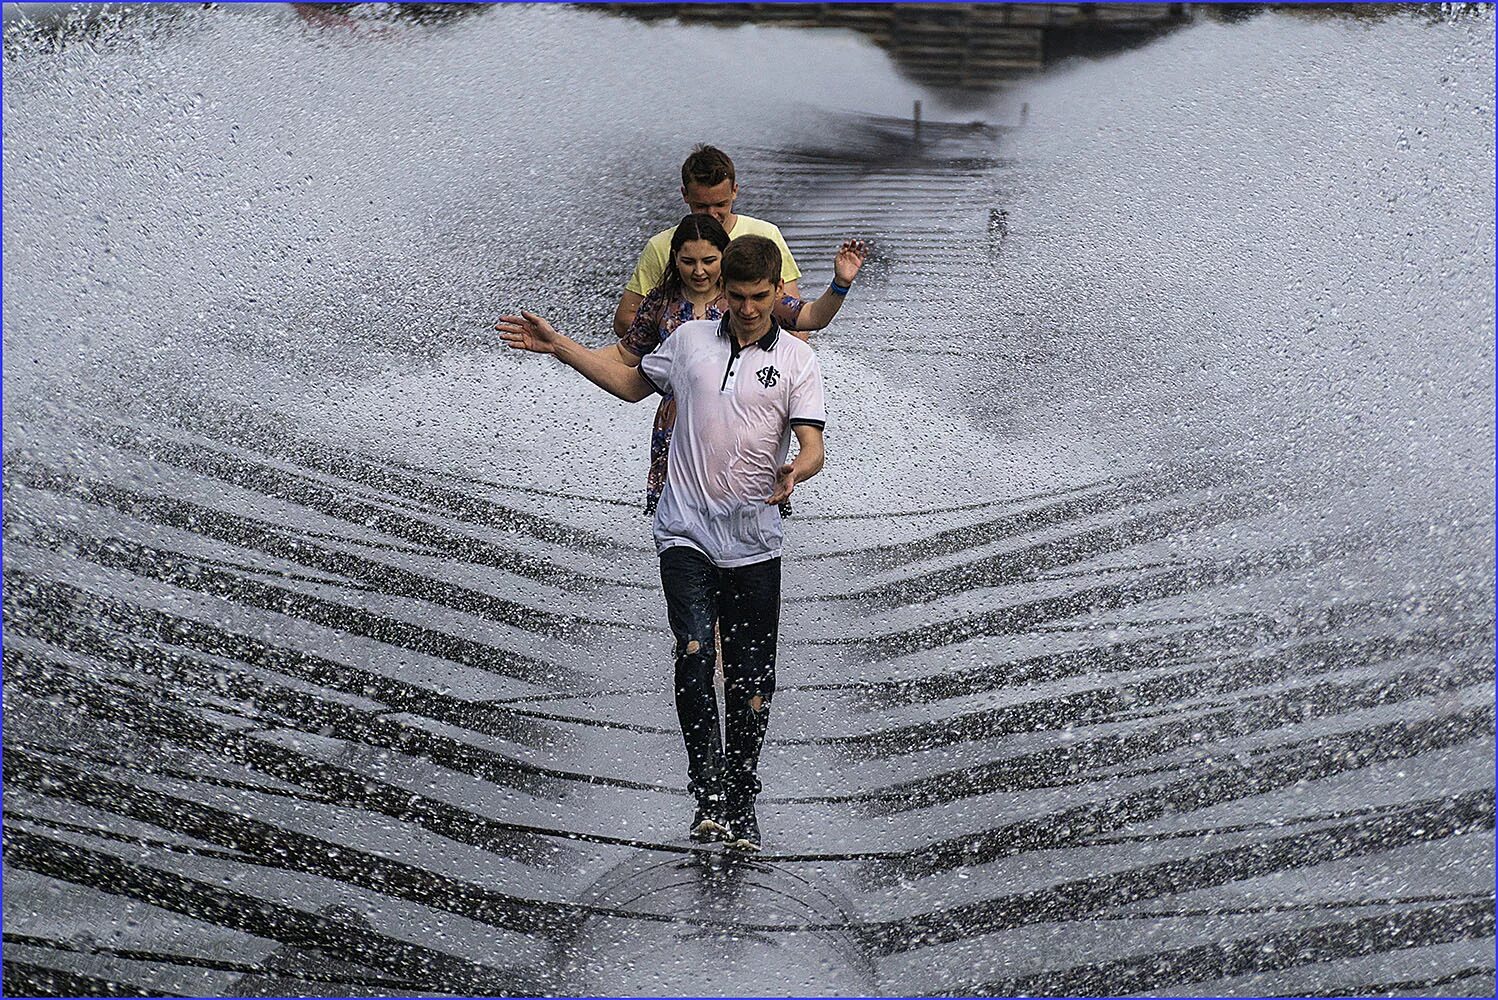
(700, 265)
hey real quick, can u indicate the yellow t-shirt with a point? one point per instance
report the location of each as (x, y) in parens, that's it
(657, 254)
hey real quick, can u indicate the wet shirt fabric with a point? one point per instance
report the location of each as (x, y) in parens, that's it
(734, 411)
(657, 253)
(658, 317)
(656, 320)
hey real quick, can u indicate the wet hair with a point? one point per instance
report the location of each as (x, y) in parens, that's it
(692, 227)
(707, 166)
(750, 258)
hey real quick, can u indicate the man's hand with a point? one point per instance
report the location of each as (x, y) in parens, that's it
(850, 257)
(785, 483)
(606, 368)
(808, 463)
(528, 332)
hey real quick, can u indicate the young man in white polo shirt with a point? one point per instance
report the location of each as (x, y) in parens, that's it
(742, 388)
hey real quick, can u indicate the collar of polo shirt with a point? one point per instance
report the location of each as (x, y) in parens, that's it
(765, 343)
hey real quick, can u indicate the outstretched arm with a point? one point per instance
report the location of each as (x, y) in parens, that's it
(529, 332)
(845, 267)
(807, 463)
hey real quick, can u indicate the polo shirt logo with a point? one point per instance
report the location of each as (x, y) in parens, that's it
(768, 376)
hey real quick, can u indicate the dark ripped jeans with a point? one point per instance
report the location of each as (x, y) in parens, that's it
(745, 602)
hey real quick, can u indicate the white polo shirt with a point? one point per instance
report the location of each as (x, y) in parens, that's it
(734, 412)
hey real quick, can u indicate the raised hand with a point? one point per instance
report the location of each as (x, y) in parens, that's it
(850, 257)
(528, 332)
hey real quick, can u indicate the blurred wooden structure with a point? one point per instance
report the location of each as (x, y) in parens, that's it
(958, 46)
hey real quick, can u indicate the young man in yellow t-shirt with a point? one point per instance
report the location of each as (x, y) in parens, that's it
(709, 187)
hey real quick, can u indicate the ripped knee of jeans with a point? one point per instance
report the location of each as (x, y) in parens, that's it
(751, 693)
(688, 648)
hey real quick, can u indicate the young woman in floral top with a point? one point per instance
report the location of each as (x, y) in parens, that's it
(692, 289)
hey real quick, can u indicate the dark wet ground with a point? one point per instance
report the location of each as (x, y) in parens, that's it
(284, 717)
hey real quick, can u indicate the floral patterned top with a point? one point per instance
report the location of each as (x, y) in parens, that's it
(657, 318)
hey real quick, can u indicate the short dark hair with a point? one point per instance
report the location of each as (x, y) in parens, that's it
(708, 166)
(750, 258)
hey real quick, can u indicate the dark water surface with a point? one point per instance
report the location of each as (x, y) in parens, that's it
(1138, 638)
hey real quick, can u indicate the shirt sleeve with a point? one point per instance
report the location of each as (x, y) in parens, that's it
(644, 334)
(650, 267)
(788, 269)
(788, 311)
(656, 366)
(808, 399)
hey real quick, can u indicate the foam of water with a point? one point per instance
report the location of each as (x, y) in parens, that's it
(456, 172)
(1228, 250)
(247, 205)
(1239, 250)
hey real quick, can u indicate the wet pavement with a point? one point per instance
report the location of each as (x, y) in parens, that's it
(287, 714)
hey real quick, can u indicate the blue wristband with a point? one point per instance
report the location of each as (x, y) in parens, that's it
(837, 289)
